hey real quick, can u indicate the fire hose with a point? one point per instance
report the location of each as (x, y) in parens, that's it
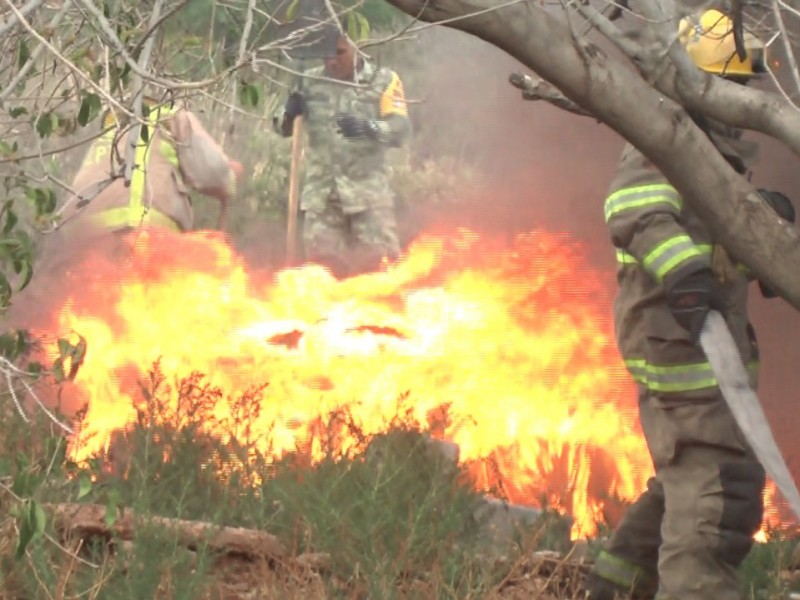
(721, 351)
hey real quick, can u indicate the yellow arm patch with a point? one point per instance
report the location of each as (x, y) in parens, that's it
(393, 100)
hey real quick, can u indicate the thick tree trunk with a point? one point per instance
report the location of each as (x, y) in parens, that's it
(651, 120)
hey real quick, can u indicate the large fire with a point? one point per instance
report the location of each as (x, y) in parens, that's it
(511, 341)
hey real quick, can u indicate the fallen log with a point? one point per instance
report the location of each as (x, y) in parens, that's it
(87, 521)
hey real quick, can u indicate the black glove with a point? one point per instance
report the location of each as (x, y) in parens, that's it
(296, 105)
(692, 297)
(784, 208)
(355, 127)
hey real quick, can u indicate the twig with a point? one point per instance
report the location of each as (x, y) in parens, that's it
(58, 150)
(786, 43)
(606, 27)
(110, 99)
(535, 88)
(8, 367)
(243, 40)
(23, 72)
(469, 15)
(23, 11)
(137, 85)
(13, 393)
(333, 14)
(136, 68)
(155, 25)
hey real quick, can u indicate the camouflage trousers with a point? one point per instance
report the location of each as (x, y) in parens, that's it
(685, 536)
(350, 244)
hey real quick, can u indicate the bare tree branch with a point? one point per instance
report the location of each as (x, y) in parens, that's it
(26, 68)
(23, 11)
(654, 122)
(78, 73)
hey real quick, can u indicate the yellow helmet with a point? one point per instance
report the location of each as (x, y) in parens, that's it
(708, 39)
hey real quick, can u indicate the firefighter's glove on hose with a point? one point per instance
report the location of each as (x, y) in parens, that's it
(296, 105)
(784, 208)
(355, 127)
(691, 298)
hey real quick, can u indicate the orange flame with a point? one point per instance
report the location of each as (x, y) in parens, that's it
(511, 341)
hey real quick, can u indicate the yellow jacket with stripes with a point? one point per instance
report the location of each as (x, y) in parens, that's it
(658, 239)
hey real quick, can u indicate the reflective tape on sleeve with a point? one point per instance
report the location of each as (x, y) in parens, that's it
(639, 197)
(670, 254)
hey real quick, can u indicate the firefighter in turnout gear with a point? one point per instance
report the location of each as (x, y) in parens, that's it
(174, 156)
(685, 536)
(355, 111)
(178, 155)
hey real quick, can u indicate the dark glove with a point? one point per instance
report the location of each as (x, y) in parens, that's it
(692, 297)
(296, 105)
(355, 127)
(784, 208)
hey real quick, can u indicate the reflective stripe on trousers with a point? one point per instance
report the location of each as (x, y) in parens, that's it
(621, 572)
(677, 378)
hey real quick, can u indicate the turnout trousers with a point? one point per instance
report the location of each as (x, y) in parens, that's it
(685, 536)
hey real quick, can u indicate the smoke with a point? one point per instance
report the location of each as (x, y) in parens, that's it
(551, 169)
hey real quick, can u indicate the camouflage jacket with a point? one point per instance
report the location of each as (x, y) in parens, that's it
(354, 171)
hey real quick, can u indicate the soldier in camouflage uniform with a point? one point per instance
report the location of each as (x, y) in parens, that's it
(355, 111)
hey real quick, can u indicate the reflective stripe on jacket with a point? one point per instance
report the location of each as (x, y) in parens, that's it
(658, 240)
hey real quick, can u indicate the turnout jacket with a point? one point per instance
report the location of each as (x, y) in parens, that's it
(177, 155)
(659, 239)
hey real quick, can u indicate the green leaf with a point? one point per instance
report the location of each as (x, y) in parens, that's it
(38, 520)
(47, 123)
(90, 108)
(58, 370)
(5, 290)
(363, 26)
(34, 369)
(352, 26)
(291, 10)
(43, 199)
(23, 52)
(78, 353)
(11, 220)
(145, 134)
(64, 347)
(25, 534)
(249, 95)
(8, 346)
(110, 516)
(18, 111)
(24, 484)
(27, 274)
(84, 484)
